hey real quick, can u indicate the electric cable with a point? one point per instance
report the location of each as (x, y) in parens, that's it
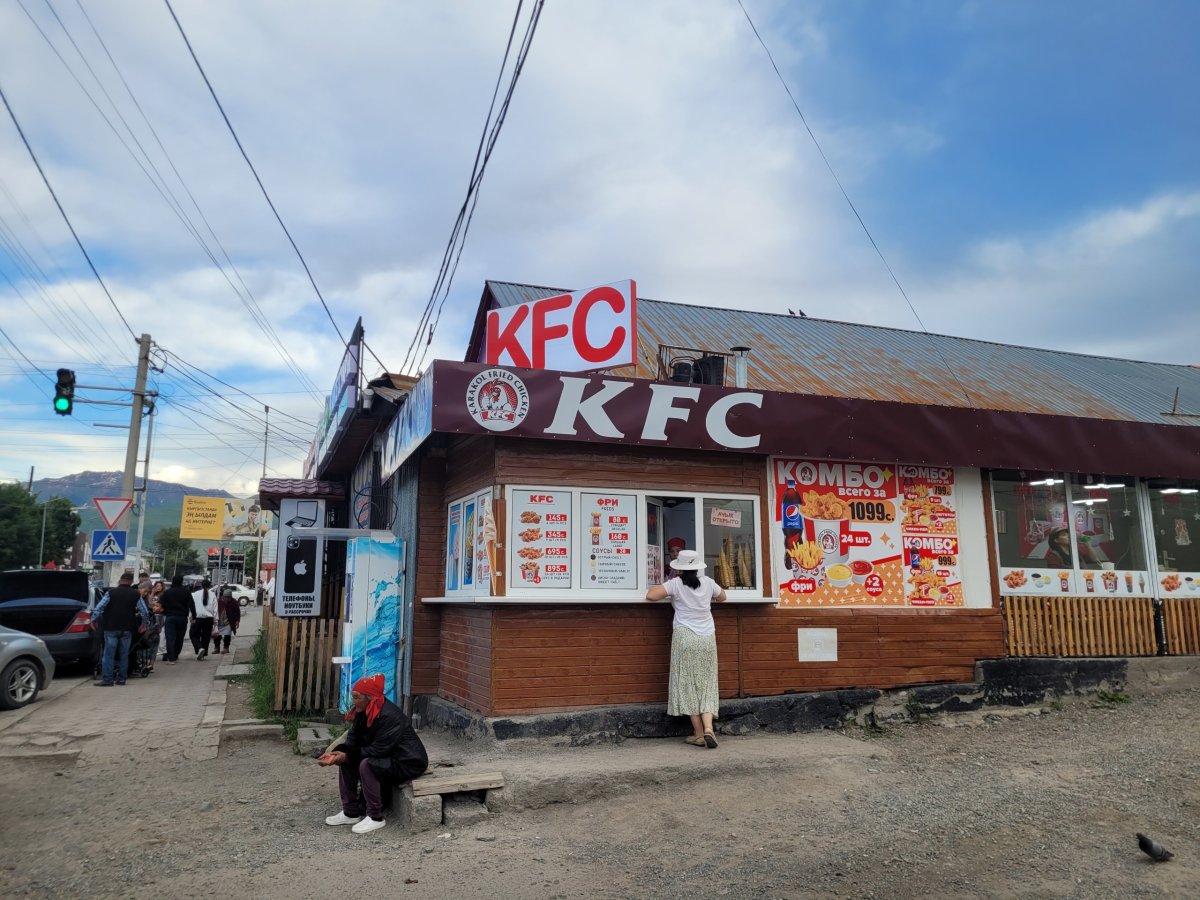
(945, 362)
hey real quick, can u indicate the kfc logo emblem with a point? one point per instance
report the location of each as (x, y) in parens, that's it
(497, 399)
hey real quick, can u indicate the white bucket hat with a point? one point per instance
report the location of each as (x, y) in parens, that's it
(688, 561)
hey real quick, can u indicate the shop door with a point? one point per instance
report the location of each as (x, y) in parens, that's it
(373, 629)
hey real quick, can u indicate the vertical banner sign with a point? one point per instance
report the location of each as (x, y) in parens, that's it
(539, 539)
(298, 581)
(468, 556)
(454, 547)
(865, 534)
(929, 527)
(608, 538)
(371, 634)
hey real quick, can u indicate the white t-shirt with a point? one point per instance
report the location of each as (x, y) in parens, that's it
(202, 611)
(693, 606)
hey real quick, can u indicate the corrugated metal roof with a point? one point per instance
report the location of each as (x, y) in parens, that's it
(271, 490)
(842, 359)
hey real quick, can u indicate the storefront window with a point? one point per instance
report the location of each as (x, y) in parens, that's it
(729, 548)
(1174, 515)
(1107, 523)
(1030, 510)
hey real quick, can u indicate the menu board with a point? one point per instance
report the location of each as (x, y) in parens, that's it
(865, 534)
(608, 540)
(1042, 579)
(470, 527)
(539, 539)
(485, 541)
(929, 536)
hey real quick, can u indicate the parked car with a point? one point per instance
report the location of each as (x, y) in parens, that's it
(51, 604)
(243, 595)
(26, 667)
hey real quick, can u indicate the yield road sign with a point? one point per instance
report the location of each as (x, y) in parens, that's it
(112, 508)
(108, 546)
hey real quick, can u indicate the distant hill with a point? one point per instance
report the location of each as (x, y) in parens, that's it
(164, 499)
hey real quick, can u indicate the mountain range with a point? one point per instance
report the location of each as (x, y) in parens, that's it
(164, 499)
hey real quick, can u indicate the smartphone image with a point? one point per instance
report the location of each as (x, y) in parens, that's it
(300, 572)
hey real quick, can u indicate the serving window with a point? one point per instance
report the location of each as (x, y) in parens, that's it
(584, 544)
(1059, 533)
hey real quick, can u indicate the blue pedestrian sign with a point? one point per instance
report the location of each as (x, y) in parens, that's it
(108, 546)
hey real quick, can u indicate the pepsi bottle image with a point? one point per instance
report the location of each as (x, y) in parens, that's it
(789, 508)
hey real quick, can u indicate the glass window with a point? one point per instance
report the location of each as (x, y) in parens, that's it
(1030, 509)
(729, 548)
(1107, 523)
(1174, 515)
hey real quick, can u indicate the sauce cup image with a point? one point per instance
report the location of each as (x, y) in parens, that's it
(860, 569)
(840, 575)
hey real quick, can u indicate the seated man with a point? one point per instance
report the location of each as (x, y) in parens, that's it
(380, 750)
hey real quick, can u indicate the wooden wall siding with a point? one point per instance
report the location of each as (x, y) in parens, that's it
(555, 658)
(428, 569)
(301, 652)
(876, 648)
(470, 465)
(466, 666)
(1079, 626)
(1181, 621)
(521, 461)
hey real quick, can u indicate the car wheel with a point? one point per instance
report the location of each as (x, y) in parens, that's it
(19, 684)
(245, 601)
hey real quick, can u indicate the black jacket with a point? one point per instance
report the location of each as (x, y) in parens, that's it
(176, 601)
(391, 746)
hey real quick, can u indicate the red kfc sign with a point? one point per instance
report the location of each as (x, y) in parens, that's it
(591, 329)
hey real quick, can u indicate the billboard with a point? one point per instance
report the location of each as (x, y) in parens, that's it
(202, 519)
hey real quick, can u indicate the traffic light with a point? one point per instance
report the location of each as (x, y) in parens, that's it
(64, 392)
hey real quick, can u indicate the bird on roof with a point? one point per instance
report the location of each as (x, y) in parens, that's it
(1153, 849)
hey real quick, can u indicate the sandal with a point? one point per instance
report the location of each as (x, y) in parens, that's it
(710, 740)
(695, 741)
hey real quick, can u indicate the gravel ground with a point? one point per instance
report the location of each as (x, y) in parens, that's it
(1034, 805)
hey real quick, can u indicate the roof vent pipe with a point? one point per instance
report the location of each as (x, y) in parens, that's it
(740, 365)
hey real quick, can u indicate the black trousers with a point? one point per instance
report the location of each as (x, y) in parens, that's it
(199, 632)
(175, 628)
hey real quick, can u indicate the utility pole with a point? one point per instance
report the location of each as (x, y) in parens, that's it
(135, 435)
(31, 471)
(144, 505)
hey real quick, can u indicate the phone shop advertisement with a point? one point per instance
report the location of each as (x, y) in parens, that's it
(298, 591)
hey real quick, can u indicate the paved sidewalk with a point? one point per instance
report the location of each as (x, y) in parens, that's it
(178, 709)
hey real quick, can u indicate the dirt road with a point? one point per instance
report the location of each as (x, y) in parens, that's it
(1029, 806)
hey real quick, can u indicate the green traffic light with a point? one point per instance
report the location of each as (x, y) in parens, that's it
(62, 404)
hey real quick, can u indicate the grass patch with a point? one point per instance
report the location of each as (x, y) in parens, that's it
(1112, 697)
(262, 681)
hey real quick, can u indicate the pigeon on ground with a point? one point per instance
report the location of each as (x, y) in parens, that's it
(1153, 849)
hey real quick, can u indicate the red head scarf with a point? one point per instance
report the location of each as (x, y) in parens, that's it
(372, 686)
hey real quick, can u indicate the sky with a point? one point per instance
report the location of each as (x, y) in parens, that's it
(1030, 171)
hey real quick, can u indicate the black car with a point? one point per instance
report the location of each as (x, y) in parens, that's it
(53, 605)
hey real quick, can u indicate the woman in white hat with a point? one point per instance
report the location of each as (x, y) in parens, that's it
(693, 687)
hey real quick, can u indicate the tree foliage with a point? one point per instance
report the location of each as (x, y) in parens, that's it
(21, 515)
(174, 554)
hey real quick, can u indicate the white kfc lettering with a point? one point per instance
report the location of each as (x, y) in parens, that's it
(662, 409)
(717, 421)
(571, 405)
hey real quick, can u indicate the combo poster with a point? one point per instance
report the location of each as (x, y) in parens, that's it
(865, 534)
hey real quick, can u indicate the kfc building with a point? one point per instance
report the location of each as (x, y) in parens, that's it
(884, 508)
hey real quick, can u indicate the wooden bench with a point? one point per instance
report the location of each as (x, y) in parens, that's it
(418, 803)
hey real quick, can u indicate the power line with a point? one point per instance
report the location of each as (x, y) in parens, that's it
(850, 203)
(261, 186)
(12, 115)
(483, 152)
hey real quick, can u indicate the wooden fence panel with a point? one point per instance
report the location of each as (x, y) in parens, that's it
(1091, 626)
(302, 651)
(1181, 622)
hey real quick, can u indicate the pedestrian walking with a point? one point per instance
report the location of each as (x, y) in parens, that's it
(117, 614)
(177, 607)
(380, 750)
(692, 688)
(229, 617)
(204, 612)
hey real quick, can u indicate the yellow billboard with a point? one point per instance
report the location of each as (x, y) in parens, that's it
(202, 518)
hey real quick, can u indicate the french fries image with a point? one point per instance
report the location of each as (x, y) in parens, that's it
(806, 554)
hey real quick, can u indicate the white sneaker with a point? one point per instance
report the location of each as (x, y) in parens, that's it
(368, 824)
(341, 819)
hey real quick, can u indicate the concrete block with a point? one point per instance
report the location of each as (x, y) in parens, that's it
(310, 737)
(501, 800)
(251, 733)
(458, 811)
(234, 670)
(417, 813)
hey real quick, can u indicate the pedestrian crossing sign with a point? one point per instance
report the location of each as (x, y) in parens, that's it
(108, 545)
